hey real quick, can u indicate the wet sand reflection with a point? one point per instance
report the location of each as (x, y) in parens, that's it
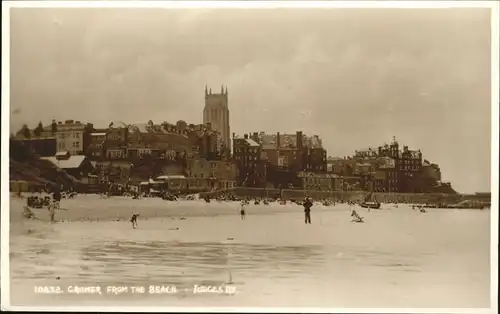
(333, 264)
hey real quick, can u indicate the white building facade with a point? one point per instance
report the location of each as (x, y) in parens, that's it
(70, 137)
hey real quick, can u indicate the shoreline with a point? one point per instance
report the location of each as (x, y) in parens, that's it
(117, 208)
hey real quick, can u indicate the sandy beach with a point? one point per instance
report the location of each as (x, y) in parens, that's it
(398, 258)
(96, 208)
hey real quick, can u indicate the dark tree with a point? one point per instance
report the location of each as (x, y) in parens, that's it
(181, 125)
(39, 129)
(25, 131)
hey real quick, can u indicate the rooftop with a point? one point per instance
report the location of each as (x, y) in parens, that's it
(304, 174)
(251, 142)
(72, 162)
(169, 177)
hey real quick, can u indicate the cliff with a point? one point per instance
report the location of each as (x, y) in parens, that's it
(26, 166)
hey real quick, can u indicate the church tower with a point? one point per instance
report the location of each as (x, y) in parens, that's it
(216, 112)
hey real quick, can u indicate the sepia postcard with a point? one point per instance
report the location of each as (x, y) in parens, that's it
(250, 156)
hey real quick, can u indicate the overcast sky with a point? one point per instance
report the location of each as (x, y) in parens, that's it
(356, 77)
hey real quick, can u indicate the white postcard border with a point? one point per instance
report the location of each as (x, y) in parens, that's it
(5, 225)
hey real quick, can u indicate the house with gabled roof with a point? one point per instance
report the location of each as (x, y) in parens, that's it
(78, 166)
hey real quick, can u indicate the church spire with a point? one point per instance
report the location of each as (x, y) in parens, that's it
(222, 89)
(206, 90)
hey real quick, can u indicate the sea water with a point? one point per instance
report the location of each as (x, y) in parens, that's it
(398, 257)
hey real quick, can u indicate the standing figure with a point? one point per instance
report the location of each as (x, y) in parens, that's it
(56, 199)
(242, 210)
(133, 220)
(307, 210)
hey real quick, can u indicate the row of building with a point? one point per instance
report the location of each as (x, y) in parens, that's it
(209, 153)
(391, 168)
(123, 141)
(189, 145)
(258, 159)
(264, 159)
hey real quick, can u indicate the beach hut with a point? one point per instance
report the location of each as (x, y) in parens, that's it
(19, 186)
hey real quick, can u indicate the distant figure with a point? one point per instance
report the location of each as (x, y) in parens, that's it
(242, 210)
(307, 210)
(133, 220)
(56, 196)
(356, 216)
(28, 213)
(56, 199)
(52, 211)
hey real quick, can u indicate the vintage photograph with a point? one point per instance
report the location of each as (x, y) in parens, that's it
(230, 157)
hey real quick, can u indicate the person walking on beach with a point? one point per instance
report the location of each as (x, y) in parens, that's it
(56, 199)
(133, 220)
(242, 210)
(307, 210)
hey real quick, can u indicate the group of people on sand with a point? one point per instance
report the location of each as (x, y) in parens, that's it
(307, 204)
(52, 205)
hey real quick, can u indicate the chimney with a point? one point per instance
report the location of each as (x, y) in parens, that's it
(278, 140)
(245, 136)
(299, 140)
